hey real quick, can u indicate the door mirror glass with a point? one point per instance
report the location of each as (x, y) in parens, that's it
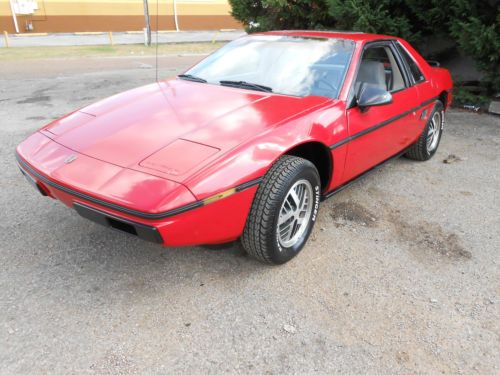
(372, 95)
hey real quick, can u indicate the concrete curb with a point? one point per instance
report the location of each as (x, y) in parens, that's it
(118, 38)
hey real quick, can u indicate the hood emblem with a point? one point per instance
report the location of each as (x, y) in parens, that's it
(70, 158)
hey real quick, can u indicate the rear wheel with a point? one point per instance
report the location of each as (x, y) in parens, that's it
(428, 142)
(283, 211)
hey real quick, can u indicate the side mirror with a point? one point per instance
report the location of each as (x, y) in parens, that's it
(372, 95)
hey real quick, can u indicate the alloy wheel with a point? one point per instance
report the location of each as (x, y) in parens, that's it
(434, 131)
(295, 213)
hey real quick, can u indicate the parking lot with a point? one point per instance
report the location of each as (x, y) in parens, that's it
(400, 276)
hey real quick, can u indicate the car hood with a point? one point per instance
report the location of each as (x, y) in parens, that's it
(173, 128)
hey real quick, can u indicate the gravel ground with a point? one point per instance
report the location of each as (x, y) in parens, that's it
(400, 275)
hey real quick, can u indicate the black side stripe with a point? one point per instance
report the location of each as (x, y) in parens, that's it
(145, 215)
(248, 184)
(381, 125)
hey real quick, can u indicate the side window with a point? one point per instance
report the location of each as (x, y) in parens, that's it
(379, 67)
(414, 70)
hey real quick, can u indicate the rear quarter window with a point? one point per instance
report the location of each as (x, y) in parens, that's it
(415, 71)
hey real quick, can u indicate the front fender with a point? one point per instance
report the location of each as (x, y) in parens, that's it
(252, 159)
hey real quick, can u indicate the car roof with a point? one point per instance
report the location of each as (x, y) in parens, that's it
(352, 35)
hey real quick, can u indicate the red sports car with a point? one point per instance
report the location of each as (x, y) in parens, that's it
(246, 143)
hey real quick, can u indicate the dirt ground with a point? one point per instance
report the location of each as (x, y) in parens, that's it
(400, 276)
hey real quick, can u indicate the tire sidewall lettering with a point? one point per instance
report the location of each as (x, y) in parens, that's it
(280, 249)
(316, 203)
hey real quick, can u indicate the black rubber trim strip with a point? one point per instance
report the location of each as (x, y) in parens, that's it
(381, 125)
(364, 174)
(160, 215)
(144, 232)
(248, 184)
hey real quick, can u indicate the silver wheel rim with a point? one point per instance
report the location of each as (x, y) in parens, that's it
(295, 213)
(434, 131)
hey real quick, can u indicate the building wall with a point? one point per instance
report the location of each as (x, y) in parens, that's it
(119, 15)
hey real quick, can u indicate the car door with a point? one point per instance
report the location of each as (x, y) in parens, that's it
(378, 132)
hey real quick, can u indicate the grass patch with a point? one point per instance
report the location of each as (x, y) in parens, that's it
(22, 53)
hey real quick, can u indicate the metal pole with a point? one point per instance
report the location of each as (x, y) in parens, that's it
(14, 15)
(175, 16)
(148, 25)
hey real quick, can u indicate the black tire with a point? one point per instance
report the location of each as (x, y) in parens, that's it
(419, 150)
(260, 238)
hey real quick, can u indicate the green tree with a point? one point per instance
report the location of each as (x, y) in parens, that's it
(374, 16)
(476, 29)
(264, 15)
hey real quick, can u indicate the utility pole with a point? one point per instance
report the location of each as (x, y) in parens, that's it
(147, 29)
(175, 16)
(14, 18)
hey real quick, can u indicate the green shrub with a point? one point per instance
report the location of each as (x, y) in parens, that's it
(481, 41)
(463, 96)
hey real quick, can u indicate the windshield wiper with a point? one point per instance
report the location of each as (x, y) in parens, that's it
(247, 85)
(191, 77)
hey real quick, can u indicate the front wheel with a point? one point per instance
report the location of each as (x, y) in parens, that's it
(283, 212)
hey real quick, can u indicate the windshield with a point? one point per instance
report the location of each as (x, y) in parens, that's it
(286, 65)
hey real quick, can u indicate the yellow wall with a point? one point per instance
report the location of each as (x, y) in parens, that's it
(123, 7)
(62, 15)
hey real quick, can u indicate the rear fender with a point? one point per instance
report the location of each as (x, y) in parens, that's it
(442, 82)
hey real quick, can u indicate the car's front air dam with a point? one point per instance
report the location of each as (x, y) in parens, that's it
(144, 232)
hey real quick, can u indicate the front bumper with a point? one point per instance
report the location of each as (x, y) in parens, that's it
(192, 223)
